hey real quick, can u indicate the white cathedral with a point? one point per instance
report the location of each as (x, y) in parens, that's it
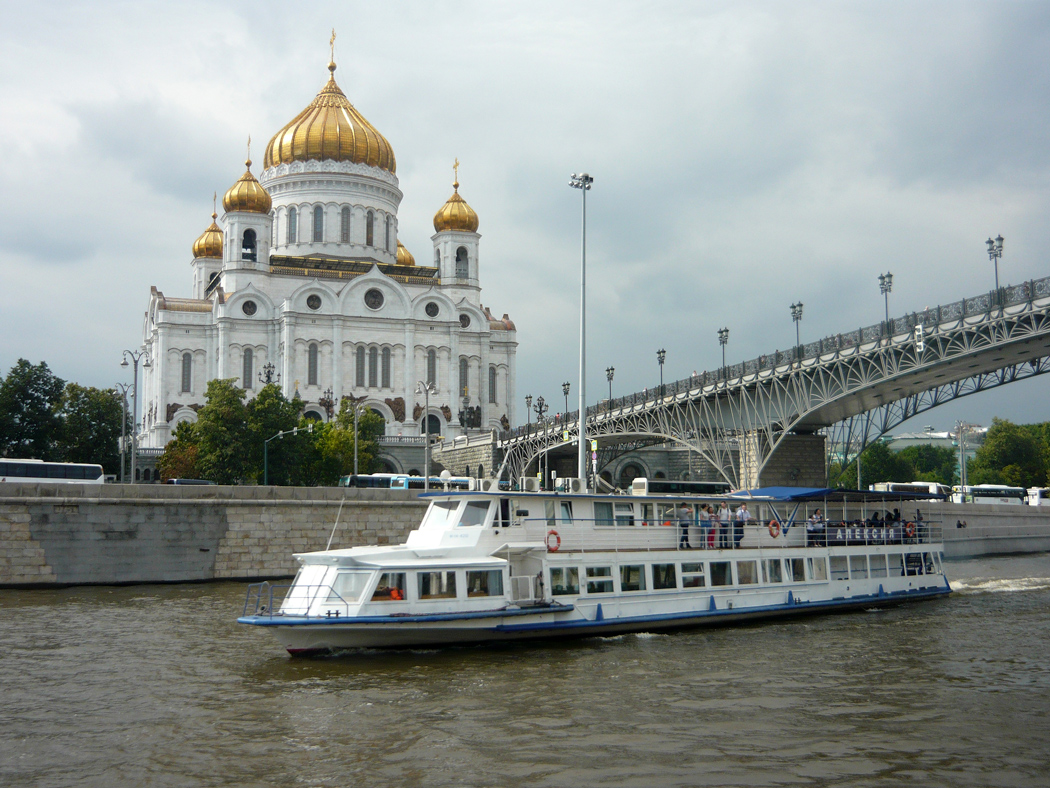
(303, 282)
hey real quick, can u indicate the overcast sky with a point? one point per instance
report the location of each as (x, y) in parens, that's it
(744, 155)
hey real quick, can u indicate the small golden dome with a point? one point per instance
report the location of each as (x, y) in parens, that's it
(330, 128)
(247, 194)
(404, 257)
(210, 242)
(455, 214)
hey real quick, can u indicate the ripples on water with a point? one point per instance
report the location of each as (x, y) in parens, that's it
(157, 685)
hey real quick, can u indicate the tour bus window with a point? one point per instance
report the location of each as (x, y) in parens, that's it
(565, 580)
(624, 513)
(603, 513)
(878, 565)
(771, 571)
(390, 588)
(485, 583)
(693, 575)
(858, 567)
(632, 578)
(798, 570)
(437, 585)
(746, 573)
(720, 574)
(664, 576)
(599, 580)
(474, 513)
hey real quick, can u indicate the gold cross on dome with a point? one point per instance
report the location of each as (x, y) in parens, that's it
(331, 43)
(455, 169)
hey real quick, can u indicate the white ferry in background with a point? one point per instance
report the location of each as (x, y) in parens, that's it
(490, 566)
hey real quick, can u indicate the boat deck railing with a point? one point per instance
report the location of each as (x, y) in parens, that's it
(267, 599)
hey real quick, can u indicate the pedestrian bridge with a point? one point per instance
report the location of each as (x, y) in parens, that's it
(851, 387)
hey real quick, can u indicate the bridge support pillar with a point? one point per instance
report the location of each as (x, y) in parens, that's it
(798, 461)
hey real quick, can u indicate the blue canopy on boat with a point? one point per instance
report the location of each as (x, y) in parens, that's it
(828, 494)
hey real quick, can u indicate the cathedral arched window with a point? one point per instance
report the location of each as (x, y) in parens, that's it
(246, 376)
(492, 384)
(248, 246)
(464, 388)
(293, 220)
(311, 369)
(389, 248)
(386, 368)
(318, 224)
(462, 270)
(187, 370)
(344, 225)
(373, 367)
(359, 377)
(370, 222)
(432, 367)
(437, 258)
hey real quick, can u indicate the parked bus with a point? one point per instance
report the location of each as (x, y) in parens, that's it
(381, 480)
(988, 493)
(643, 486)
(50, 472)
(403, 482)
(917, 488)
(1039, 496)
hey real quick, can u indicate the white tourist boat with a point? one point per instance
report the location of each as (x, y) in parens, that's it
(498, 566)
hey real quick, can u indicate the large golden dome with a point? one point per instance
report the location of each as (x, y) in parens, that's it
(210, 242)
(404, 257)
(330, 128)
(455, 214)
(247, 194)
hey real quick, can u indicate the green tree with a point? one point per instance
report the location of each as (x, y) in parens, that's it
(90, 426)
(1011, 454)
(30, 397)
(268, 414)
(221, 433)
(370, 427)
(931, 463)
(179, 460)
(878, 464)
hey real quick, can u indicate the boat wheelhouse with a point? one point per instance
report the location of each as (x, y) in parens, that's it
(496, 566)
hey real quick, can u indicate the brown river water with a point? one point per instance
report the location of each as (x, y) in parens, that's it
(159, 686)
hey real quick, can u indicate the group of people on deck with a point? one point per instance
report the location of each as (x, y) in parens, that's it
(719, 527)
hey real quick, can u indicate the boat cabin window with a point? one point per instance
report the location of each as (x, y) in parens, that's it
(348, 586)
(771, 571)
(896, 564)
(566, 512)
(818, 569)
(488, 582)
(746, 573)
(693, 575)
(632, 578)
(839, 567)
(565, 580)
(603, 513)
(475, 513)
(647, 514)
(668, 514)
(556, 509)
(720, 574)
(624, 513)
(599, 580)
(858, 567)
(664, 576)
(878, 565)
(440, 514)
(390, 588)
(798, 570)
(437, 585)
(927, 559)
(502, 518)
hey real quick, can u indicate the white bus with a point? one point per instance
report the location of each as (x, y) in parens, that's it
(50, 472)
(918, 488)
(1039, 496)
(988, 493)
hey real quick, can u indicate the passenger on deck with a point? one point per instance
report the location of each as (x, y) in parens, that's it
(742, 516)
(815, 529)
(874, 521)
(685, 517)
(710, 527)
(723, 524)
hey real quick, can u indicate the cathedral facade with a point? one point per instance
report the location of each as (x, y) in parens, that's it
(303, 282)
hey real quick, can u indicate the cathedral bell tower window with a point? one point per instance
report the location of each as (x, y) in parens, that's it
(318, 224)
(385, 381)
(432, 367)
(464, 386)
(248, 246)
(359, 377)
(389, 248)
(373, 367)
(462, 270)
(311, 371)
(370, 222)
(187, 370)
(293, 218)
(344, 226)
(492, 385)
(246, 376)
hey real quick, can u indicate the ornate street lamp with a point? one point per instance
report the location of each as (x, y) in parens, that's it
(609, 372)
(796, 315)
(528, 414)
(135, 355)
(123, 388)
(661, 354)
(723, 338)
(426, 389)
(885, 286)
(583, 181)
(995, 251)
(268, 375)
(327, 403)
(565, 390)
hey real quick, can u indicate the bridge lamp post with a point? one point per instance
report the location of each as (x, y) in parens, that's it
(609, 372)
(123, 388)
(426, 389)
(357, 403)
(583, 181)
(541, 408)
(796, 315)
(723, 338)
(661, 354)
(565, 390)
(995, 251)
(528, 414)
(135, 355)
(266, 448)
(885, 286)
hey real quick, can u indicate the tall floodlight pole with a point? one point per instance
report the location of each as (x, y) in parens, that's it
(123, 388)
(885, 287)
(565, 390)
(796, 315)
(661, 354)
(609, 372)
(995, 252)
(426, 389)
(135, 355)
(583, 181)
(723, 338)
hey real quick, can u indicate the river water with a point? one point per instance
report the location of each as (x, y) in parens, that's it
(158, 686)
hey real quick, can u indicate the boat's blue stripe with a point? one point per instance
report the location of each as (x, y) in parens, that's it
(795, 605)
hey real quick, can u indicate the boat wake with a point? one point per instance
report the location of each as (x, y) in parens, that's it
(991, 585)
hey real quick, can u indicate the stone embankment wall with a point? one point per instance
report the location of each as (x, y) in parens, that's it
(72, 534)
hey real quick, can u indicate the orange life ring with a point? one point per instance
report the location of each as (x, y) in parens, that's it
(909, 529)
(557, 541)
(774, 528)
